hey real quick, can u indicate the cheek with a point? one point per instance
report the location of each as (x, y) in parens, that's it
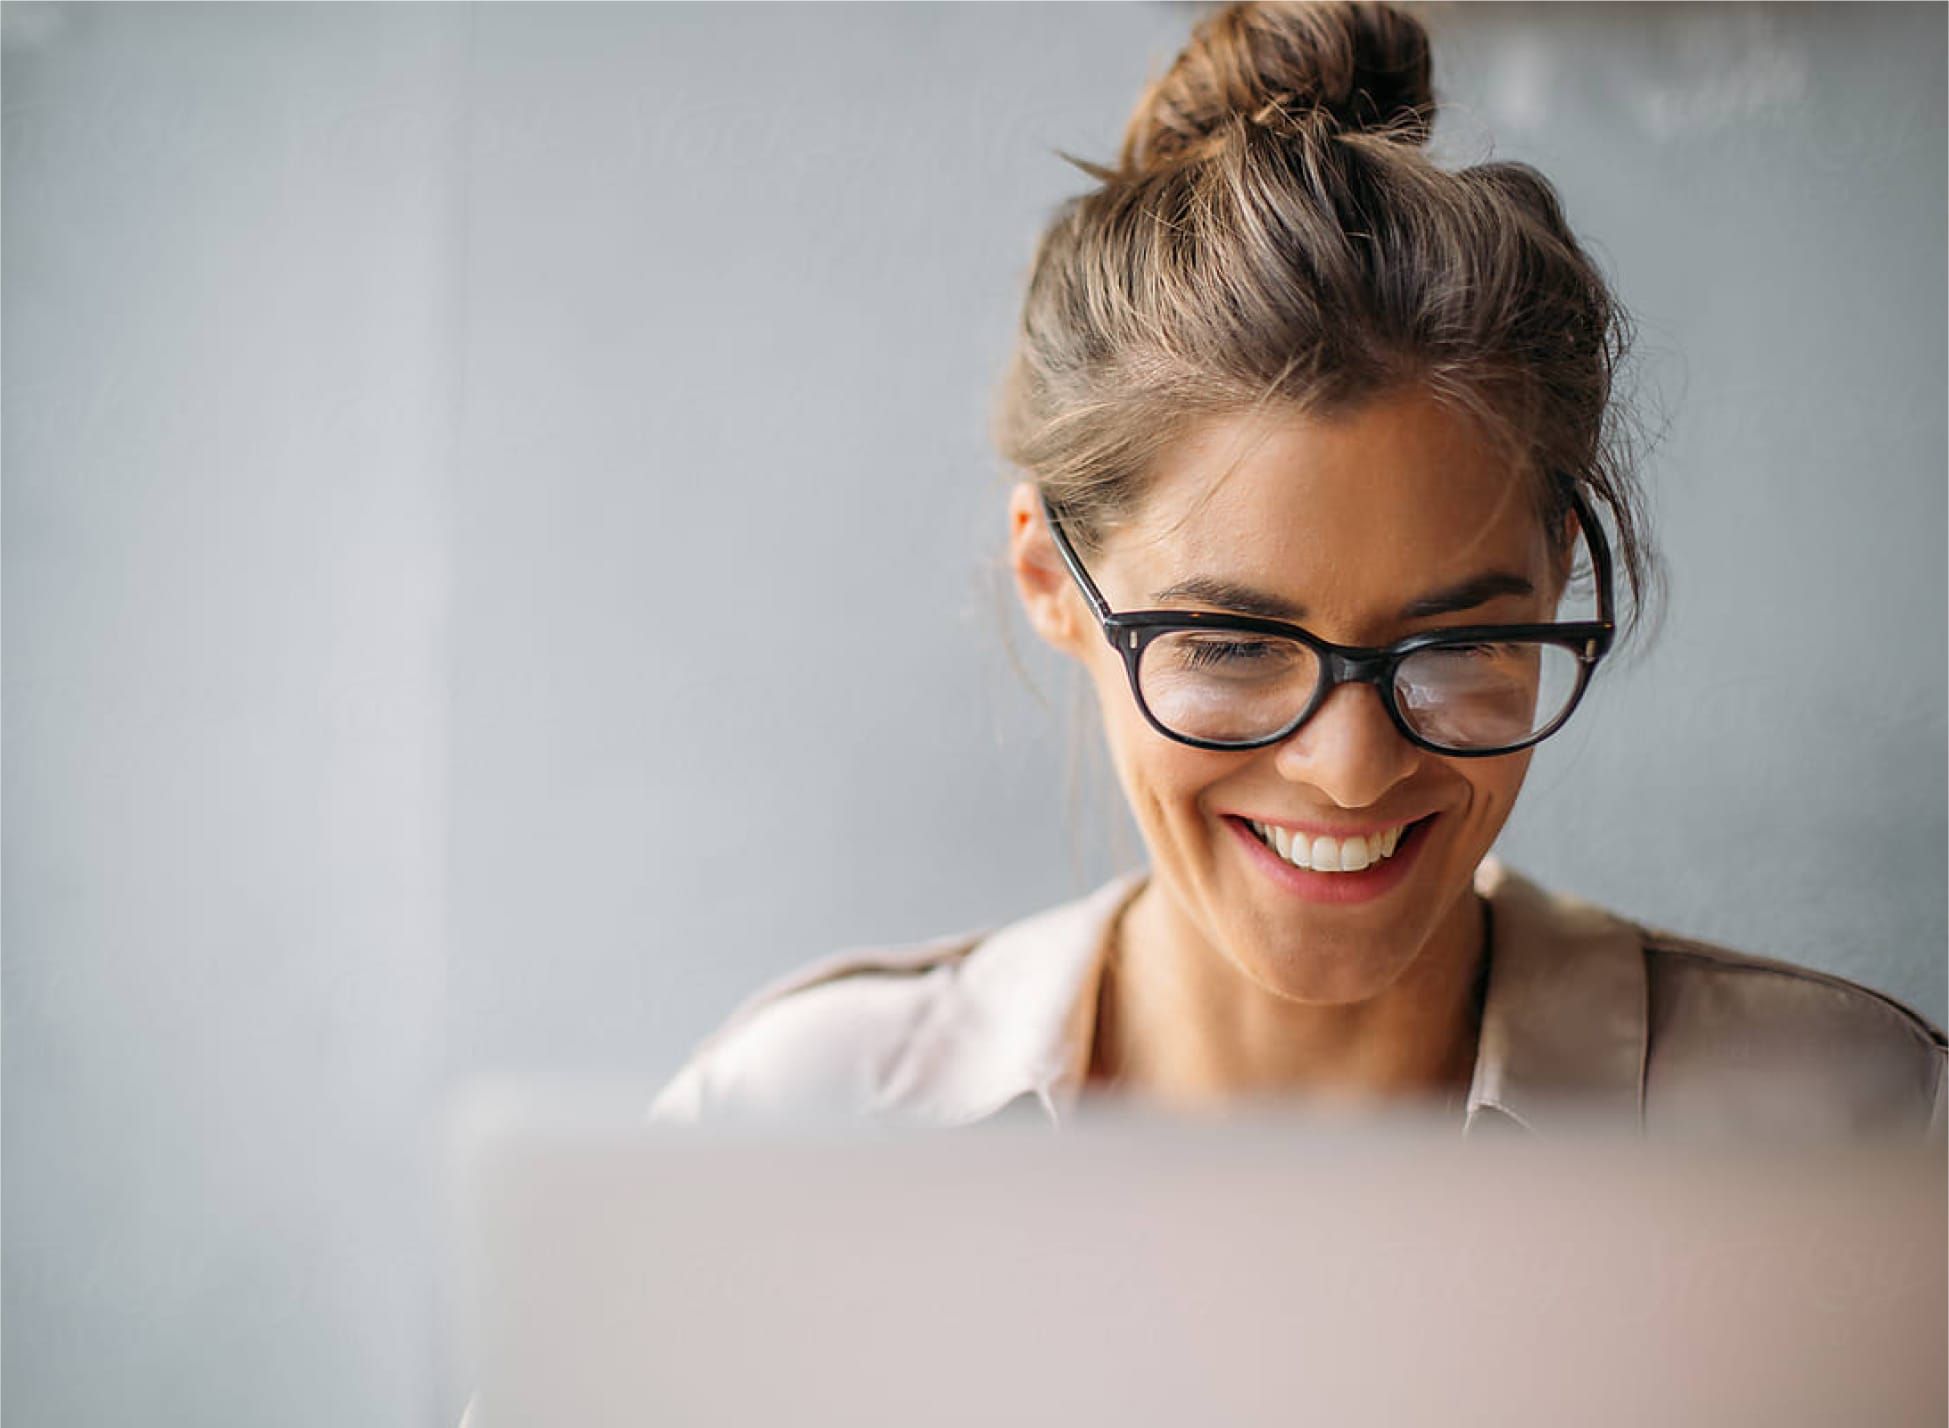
(1494, 784)
(1161, 784)
(1167, 787)
(1163, 781)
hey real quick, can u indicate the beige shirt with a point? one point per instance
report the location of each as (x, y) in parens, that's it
(1587, 1017)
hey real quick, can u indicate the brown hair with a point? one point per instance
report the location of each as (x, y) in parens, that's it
(1274, 233)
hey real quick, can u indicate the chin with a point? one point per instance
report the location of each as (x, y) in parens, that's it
(1320, 973)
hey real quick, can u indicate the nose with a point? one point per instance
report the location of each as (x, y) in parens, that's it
(1350, 749)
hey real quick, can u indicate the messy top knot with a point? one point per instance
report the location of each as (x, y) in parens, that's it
(1277, 234)
(1347, 66)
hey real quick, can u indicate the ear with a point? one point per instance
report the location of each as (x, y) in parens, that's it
(1573, 533)
(1049, 595)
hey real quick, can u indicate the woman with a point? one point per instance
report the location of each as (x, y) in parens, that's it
(1312, 430)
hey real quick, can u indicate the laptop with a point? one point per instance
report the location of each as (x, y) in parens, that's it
(1257, 1269)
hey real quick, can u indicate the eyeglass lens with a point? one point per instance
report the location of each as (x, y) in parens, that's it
(1233, 687)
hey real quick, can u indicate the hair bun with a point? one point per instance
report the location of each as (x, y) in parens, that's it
(1283, 65)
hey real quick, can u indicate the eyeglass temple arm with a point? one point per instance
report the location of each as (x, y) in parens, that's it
(1070, 559)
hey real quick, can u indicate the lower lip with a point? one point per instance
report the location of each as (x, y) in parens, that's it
(1375, 880)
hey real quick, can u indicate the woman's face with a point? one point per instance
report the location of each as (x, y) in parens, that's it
(1341, 523)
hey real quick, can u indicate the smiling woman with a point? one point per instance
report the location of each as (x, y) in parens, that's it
(1393, 500)
(1309, 431)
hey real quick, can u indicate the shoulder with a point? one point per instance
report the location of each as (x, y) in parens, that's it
(816, 1040)
(941, 1032)
(1735, 1038)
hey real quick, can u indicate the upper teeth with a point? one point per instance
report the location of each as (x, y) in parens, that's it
(1330, 855)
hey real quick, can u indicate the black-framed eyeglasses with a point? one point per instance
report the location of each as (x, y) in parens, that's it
(1223, 681)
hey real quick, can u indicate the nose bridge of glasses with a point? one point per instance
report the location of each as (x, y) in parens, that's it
(1348, 744)
(1353, 671)
(1355, 666)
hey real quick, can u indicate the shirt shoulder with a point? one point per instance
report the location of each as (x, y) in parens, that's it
(1739, 1041)
(817, 1040)
(939, 1033)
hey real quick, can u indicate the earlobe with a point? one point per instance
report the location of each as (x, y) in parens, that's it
(1040, 579)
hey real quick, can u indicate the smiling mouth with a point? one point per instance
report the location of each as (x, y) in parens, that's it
(1336, 855)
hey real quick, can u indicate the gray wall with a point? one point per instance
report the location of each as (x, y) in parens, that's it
(433, 437)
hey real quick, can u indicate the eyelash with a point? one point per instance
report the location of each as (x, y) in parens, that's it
(1206, 653)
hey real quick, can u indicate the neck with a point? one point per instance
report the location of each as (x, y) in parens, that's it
(1178, 1023)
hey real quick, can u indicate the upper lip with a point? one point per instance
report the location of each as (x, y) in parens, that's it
(1322, 830)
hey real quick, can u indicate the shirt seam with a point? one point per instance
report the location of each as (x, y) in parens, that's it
(1912, 1021)
(835, 967)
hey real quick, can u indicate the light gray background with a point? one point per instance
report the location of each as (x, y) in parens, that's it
(500, 558)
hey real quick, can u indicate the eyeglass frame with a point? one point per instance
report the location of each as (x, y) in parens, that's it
(1130, 632)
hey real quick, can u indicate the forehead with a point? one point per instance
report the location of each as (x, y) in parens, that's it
(1355, 510)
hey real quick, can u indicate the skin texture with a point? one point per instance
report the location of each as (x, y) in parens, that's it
(1221, 983)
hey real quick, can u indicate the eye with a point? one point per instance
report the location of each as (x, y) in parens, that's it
(1237, 658)
(1208, 653)
(1469, 656)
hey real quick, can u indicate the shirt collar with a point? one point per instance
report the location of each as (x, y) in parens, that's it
(1563, 1034)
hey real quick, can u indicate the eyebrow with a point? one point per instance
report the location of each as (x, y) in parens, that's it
(1244, 600)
